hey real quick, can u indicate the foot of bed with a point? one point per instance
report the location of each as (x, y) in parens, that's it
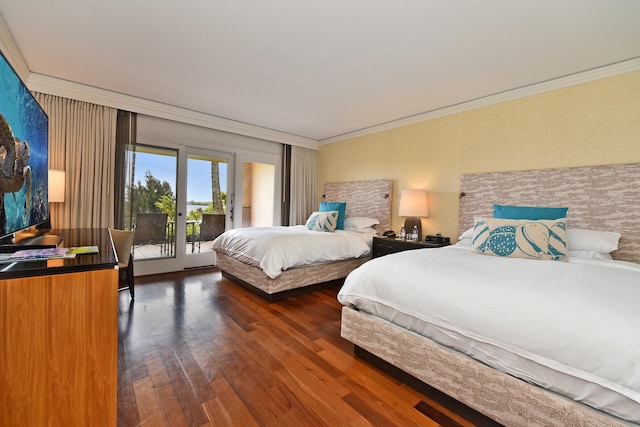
(433, 394)
(277, 296)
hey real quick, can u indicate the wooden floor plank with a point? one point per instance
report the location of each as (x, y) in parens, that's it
(149, 406)
(227, 409)
(290, 358)
(196, 349)
(317, 394)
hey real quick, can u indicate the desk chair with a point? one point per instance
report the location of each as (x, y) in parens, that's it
(123, 244)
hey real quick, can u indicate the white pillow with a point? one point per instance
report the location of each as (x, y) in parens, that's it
(593, 243)
(589, 255)
(465, 243)
(323, 221)
(467, 234)
(592, 240)
(361, 230)
(359, 222)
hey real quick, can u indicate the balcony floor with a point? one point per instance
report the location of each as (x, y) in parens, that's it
(155, 251)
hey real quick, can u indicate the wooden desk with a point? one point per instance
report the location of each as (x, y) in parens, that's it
(58, 326)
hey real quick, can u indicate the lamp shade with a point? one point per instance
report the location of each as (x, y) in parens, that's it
(56, 186)
(413, 203)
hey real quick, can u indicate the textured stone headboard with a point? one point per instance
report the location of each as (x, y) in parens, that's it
(364, 198)
(598, 198)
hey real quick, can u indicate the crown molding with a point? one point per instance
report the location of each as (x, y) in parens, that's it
(67, 89)
(53, 86)
(522, 92)
(11, 52)
(64, 88)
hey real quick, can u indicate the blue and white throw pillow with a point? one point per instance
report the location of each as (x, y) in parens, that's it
(323, 221)
(341, 207)
(541, 239)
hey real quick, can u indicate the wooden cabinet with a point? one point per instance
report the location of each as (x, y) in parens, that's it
(59, 344)
(384, 246)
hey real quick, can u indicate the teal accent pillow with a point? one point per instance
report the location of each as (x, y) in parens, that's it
(341, 207)
(528, 212)
(323, 221)
(521, 238)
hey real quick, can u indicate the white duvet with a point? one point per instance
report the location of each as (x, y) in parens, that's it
(572, 326)
(275, 249)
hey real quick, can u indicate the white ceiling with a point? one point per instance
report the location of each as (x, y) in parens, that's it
(319, 68)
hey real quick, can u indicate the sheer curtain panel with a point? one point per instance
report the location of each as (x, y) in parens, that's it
(304, 181)
(82, 143)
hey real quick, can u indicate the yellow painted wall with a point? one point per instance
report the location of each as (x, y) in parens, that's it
(594, 123)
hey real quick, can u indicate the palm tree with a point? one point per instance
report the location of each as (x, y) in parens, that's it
(216, 194)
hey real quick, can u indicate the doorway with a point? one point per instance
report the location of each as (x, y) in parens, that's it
(258, 194)
(172, 194)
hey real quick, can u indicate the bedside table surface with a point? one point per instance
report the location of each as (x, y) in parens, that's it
(385, 245)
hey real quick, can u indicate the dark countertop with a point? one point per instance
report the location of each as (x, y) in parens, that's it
(104, 259)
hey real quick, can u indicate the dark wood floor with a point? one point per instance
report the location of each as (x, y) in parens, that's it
(198, 350)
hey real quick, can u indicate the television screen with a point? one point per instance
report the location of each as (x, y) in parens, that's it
(24, 149)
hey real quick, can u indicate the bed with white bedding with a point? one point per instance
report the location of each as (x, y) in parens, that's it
(573, 327)
(276, 249)
(525, 342)
(278, 262)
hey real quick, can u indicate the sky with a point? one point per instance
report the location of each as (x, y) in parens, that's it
(164, 167)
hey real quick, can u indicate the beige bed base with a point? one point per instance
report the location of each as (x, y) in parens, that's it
(600, 197)
(506, 399)
(290, 282)
(364, 198)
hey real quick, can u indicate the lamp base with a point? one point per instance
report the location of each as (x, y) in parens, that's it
(409, 223)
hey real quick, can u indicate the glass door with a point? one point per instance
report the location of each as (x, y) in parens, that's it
(176, 201)
(150, 205)
(208, 203)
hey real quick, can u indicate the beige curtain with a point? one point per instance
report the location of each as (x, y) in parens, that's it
(126, 125)
(304, 184)
(82, 143)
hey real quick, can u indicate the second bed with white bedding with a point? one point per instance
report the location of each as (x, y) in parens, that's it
(572, 326)
(276, 249)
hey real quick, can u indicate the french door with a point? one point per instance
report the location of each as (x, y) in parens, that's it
(209, 194)
(173, 188)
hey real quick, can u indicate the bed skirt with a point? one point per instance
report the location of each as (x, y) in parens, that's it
(504, 398)
(302, 279)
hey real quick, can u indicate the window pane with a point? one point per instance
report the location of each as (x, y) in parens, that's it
(206, 194)
(150, 202)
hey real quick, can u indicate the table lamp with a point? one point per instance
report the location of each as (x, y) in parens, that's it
(413, 205)
(56, 188)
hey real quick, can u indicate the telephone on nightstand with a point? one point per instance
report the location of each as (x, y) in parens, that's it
(438, 238)
(389, 233)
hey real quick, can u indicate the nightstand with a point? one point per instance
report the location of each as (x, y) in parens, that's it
(385, 246)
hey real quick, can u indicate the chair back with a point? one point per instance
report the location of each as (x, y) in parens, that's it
(212, 226)
(122, 242)
(150, 228)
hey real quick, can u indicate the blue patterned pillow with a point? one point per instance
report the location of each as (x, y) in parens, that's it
(341, 207)
(323, 221)
(542, 239)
